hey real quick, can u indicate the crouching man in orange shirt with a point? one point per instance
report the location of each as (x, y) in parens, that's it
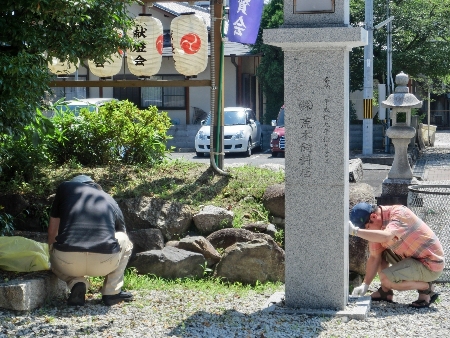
(403, 250)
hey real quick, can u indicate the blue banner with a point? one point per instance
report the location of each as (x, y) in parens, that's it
(244, 20)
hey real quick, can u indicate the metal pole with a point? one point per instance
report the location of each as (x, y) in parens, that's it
(389, 81)
(429, 106)
(368, 82)
(218, 122)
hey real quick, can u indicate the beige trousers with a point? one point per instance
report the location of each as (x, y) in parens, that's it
(72, 267)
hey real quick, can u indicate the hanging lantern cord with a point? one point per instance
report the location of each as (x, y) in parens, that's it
(213, 154)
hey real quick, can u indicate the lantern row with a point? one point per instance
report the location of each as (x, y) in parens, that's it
(189, 38)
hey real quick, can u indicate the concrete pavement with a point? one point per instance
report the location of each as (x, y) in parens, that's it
(432, 165)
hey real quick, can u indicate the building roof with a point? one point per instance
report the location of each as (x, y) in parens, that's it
(178, 8)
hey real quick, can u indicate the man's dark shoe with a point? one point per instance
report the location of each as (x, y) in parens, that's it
(77, 294)
(122, 296)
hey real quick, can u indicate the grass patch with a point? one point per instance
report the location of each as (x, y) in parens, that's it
(209, 285)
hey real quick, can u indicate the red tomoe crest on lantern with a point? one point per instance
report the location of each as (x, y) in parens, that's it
(145, 60)
(189, 37)
(190, 43)
(160, 44)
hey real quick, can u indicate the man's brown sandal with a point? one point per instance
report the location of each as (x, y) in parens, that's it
(421, 303)
(383, 296)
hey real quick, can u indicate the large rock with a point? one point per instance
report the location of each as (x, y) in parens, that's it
(224, 238)
(261, 227)
(212, 218)
(255, 261)
(169, 262)
(358, 247)
(355, 169)
(146, 240)
(198, 244)
(278, 221)
(360, 192)
(172, 218)
(13, 204)
(274, 200)
(27, 212)
(358, 254)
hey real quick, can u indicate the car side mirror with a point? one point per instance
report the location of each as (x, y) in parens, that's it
(251, 121)
(274, 123)
(202, 122)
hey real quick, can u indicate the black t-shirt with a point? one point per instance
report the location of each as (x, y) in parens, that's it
(89, 218)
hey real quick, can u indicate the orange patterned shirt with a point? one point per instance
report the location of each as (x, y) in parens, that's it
(413, 238)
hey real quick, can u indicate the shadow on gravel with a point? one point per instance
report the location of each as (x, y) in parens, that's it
(260, 324)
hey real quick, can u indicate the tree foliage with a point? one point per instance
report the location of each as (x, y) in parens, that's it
(271, 69)
(34, 31)
(420, 40)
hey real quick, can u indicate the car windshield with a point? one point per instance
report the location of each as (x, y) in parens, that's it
(75, 108)
(280, 120)
(231, 118)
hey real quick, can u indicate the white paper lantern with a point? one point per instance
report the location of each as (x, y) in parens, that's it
(62, 68)
(146, 60)
(109, 68)
(189, 44)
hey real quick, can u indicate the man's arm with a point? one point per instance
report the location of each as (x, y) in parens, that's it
(53, 227)
(372, 265)
(375, 236)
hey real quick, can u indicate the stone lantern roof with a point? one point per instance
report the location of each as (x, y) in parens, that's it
(401, 97)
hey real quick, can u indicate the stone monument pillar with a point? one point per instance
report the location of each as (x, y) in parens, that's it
(395, 187)
(316, 39)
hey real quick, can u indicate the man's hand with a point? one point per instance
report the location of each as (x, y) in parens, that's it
(360, 290)
(352, 229)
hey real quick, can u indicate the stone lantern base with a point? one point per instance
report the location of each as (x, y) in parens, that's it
(395, 191)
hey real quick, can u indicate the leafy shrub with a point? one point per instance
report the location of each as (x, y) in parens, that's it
(6, 223)
(118, 132)
(22, 155)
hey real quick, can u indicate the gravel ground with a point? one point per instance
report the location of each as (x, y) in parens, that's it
(185, 313)
(178, 313)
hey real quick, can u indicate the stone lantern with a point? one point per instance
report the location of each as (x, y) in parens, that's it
(395, 186)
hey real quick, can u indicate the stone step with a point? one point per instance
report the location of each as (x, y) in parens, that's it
(31, 291)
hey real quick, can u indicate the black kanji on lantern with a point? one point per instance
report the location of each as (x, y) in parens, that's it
(139, 32)
(139, 61)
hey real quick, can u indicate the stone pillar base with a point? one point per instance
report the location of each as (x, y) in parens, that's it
(395, 191)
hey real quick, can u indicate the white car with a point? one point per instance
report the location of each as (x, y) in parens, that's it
(242, 132)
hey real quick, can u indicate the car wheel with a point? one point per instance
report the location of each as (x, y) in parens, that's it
(248, 153)
(198, 154)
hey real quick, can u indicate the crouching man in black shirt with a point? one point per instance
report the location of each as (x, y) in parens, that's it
(87, 237)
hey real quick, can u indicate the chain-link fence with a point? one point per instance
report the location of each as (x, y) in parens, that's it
(432, 204)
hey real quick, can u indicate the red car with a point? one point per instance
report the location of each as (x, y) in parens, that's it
(277, 141)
